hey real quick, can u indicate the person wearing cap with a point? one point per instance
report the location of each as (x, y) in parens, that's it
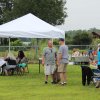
(48, 61)
(62, 61)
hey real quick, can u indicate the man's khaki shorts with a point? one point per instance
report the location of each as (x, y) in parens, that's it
(62, 68)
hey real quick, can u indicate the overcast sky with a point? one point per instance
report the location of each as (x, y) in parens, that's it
(82, 14)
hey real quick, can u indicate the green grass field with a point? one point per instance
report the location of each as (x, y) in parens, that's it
(31, 87)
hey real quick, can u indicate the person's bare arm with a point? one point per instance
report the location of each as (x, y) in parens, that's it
(59, 58)
(43, 57)
(43, 60)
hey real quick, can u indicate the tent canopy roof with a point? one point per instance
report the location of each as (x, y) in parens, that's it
(30, 26)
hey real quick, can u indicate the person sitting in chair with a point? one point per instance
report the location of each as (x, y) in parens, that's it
(21, 61)
(10, 65)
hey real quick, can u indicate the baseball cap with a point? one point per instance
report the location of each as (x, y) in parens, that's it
(61, 39)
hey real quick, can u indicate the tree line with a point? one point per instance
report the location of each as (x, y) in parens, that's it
(82, 37)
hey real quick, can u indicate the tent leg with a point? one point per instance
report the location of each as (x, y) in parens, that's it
(52, 40)
(9, 44)
(64, 41)
(36, 48)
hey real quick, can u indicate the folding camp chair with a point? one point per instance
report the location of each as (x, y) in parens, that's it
(96, 77)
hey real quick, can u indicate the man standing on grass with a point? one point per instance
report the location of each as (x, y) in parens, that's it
(62, 61)
(48, 61)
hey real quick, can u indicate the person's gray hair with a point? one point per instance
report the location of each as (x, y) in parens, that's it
(99, 44)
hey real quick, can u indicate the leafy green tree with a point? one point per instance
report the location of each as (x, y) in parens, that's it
(82, 38)
(17, 43)
(5, 6)
(95, 42)
(68, 39)
(1, 21)
(51, 11)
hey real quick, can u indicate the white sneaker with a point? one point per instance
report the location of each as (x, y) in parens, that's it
(97, 84)
(65, 82)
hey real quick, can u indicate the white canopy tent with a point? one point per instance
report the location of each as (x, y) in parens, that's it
(30, 26)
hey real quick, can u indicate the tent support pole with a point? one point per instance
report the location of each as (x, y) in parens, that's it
(36, 47)
(9, 44)
(64, 41)
(52, 40)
